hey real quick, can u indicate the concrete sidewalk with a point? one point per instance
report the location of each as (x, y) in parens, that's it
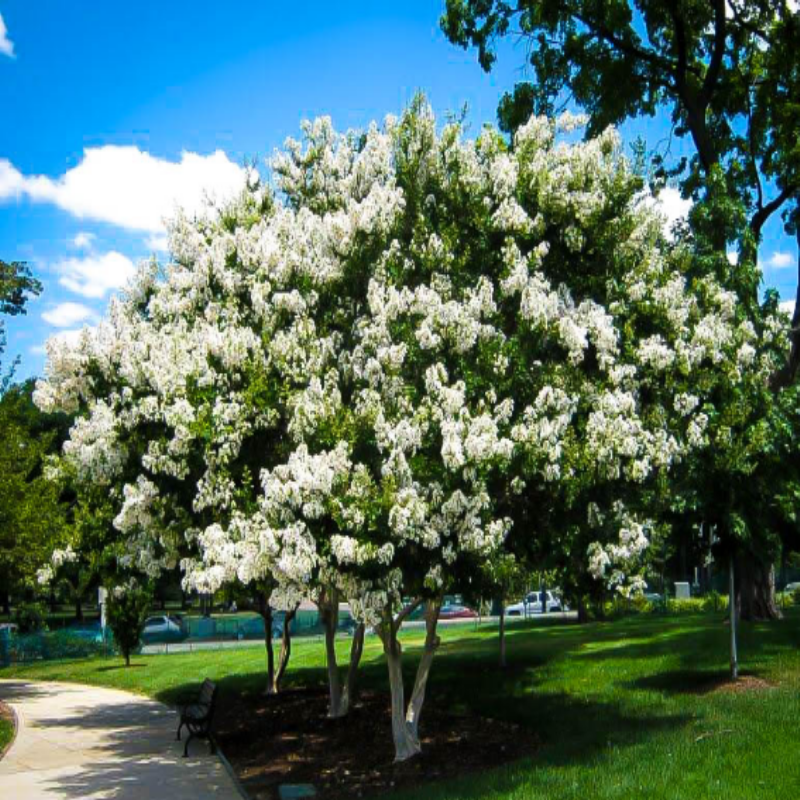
(83, 742)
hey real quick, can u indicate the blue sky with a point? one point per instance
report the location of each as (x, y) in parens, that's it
(115, 111)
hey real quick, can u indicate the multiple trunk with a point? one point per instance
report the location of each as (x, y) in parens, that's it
(405, 718)
(342, 694)
(275, 675)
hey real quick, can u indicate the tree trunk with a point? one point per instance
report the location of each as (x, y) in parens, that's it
(6, 602)
(266, 614)
(502, 636)
(356, 650)
(329, 613)
(78, 609)
(583, 611)
(405, 720)
(286, 649)
(127, 659)
(732, 612)
(755, 595)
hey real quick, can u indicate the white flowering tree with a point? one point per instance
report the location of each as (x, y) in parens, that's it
(422, 349)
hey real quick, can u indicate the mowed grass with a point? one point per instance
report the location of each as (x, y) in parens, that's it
(629, 709)
(6, 732)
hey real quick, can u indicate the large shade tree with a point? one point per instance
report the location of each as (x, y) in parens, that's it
(726, 71)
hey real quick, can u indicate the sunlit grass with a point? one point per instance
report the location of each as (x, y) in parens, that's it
(625, 709)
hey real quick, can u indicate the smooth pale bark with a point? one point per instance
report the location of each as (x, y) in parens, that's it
(286, 650)
(341, 694)
(329, 613)
(405, 719)
(356, 651)
(267, 616)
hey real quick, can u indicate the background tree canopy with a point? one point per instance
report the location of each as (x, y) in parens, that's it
(728, 72)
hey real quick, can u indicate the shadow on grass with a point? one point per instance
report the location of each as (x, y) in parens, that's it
(120, 667)
(545, 686)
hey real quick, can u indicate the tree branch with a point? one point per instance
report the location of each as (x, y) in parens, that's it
(405, 612)
(766, 211)
(715, 65)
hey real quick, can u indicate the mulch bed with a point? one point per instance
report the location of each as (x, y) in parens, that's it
(288, 739)
(744, 684)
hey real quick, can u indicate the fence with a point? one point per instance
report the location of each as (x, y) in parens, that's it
(53, 645)
(164, 633)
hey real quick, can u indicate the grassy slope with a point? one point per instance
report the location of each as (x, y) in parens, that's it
(623, 708)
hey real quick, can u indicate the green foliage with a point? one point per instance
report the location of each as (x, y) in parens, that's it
(30, 617)
(686, 605)
(127, 607)
(31, 514)
(16, 285)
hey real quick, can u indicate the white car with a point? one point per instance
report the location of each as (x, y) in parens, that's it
(532, 604)
(164, 627)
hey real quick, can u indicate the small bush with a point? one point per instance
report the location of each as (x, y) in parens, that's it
(795, 597)
(30, 618)
(623, 607)
(126, 611)
(714, 601)
(688, 605)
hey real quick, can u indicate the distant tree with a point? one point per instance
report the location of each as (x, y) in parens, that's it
(16, 285)
(31, 515)
(126, 609)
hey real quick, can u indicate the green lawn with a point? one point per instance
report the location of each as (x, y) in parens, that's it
(6, 732)
(624, 709)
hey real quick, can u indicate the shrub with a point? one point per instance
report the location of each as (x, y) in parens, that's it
(688, 605)
(30, 618)
(126, 610)
(795, 597)
(714, 601)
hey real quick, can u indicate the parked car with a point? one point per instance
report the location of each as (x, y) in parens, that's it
(532, 604)
(454, 611)
(11, 627)
(162, 629)
(791, 587)
(653, 597)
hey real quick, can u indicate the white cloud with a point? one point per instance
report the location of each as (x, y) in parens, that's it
(780, 260)
(6, 45)
(66, 315)
(670, 203)
(96, 274)
(128, 187)
(83, 241)
(158, 243)
(788, 307)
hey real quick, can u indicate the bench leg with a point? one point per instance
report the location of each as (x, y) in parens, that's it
(186, 746)
(178, 734)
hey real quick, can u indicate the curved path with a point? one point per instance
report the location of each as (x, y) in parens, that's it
(85, 742)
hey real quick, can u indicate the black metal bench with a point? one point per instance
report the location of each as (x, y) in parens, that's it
(198, 716)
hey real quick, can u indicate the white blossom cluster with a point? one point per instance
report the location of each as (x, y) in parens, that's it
(324, 385)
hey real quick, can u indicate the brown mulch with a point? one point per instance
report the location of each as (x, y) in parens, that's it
(744, 684)
(288, 739)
